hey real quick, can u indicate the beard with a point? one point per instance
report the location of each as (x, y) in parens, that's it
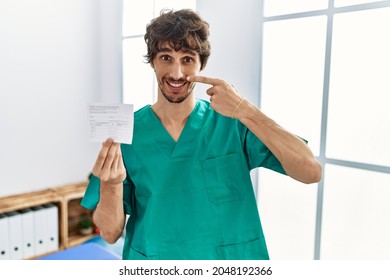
(175, 98)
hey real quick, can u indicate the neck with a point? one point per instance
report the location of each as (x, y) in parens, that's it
(173, 113)
(173, 116)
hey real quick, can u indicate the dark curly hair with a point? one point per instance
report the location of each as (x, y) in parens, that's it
(182, 29)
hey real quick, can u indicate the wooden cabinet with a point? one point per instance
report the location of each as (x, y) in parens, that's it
(67, 198)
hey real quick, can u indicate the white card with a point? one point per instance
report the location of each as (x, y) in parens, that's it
(114, 121)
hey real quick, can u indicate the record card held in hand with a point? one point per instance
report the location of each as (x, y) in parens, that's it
(114, 121)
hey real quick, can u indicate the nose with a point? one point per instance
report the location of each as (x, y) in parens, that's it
(177, 71)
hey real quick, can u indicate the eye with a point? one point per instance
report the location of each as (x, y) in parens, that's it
(165, 57)
(188, 59)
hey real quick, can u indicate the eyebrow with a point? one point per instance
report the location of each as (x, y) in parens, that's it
(169, 50)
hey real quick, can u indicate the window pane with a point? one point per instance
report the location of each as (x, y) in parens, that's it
(136, 15)
(293, 73)
(356, 214)
(174, 4)
(288, 210)
(341, 3)
(279, 7)
(359, 118)
(138, 77)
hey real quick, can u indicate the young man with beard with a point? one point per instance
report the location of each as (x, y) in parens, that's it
(185, 179)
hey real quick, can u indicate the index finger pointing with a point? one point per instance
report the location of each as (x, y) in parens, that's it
(203, 79)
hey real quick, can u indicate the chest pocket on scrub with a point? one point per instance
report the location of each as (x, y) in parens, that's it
(224, 177)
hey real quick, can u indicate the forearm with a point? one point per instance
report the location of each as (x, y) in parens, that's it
(109, 215)
(294, 155)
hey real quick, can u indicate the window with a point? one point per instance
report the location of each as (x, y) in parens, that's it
(280, 7)
(138, 77)
(329, 61)
(294, 52)
(359, 85)
(356, 214)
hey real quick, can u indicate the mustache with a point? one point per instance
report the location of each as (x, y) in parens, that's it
(176, 80)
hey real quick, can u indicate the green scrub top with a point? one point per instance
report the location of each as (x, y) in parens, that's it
(192, 199)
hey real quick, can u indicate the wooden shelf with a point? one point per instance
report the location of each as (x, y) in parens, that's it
(67, 198)
(79, 239)
(17, 202)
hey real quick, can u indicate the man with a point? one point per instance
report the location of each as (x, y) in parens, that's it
(185, 179)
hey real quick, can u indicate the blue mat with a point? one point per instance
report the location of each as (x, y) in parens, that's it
(86, 251)
(117, 247)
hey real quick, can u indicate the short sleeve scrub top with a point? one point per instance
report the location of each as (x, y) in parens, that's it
(192, 199)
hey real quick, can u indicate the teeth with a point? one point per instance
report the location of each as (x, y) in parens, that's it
(176, 85)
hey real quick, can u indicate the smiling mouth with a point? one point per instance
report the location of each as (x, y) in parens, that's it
(176, 84)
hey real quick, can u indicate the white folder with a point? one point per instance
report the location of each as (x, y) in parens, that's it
(52, 230)
(15, 235)
(4, 238)
(39, 216)
(28, 233)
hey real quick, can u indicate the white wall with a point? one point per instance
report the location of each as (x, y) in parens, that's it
(55, 57)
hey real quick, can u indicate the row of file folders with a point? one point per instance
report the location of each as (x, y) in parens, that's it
(29, 232)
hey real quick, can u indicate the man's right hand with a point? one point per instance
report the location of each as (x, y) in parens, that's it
(109, 167)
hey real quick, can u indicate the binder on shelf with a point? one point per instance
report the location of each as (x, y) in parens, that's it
(39, 217)
(4, 238)
(15, 235)
(28, 232)
(59, 234)
(52, 225)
